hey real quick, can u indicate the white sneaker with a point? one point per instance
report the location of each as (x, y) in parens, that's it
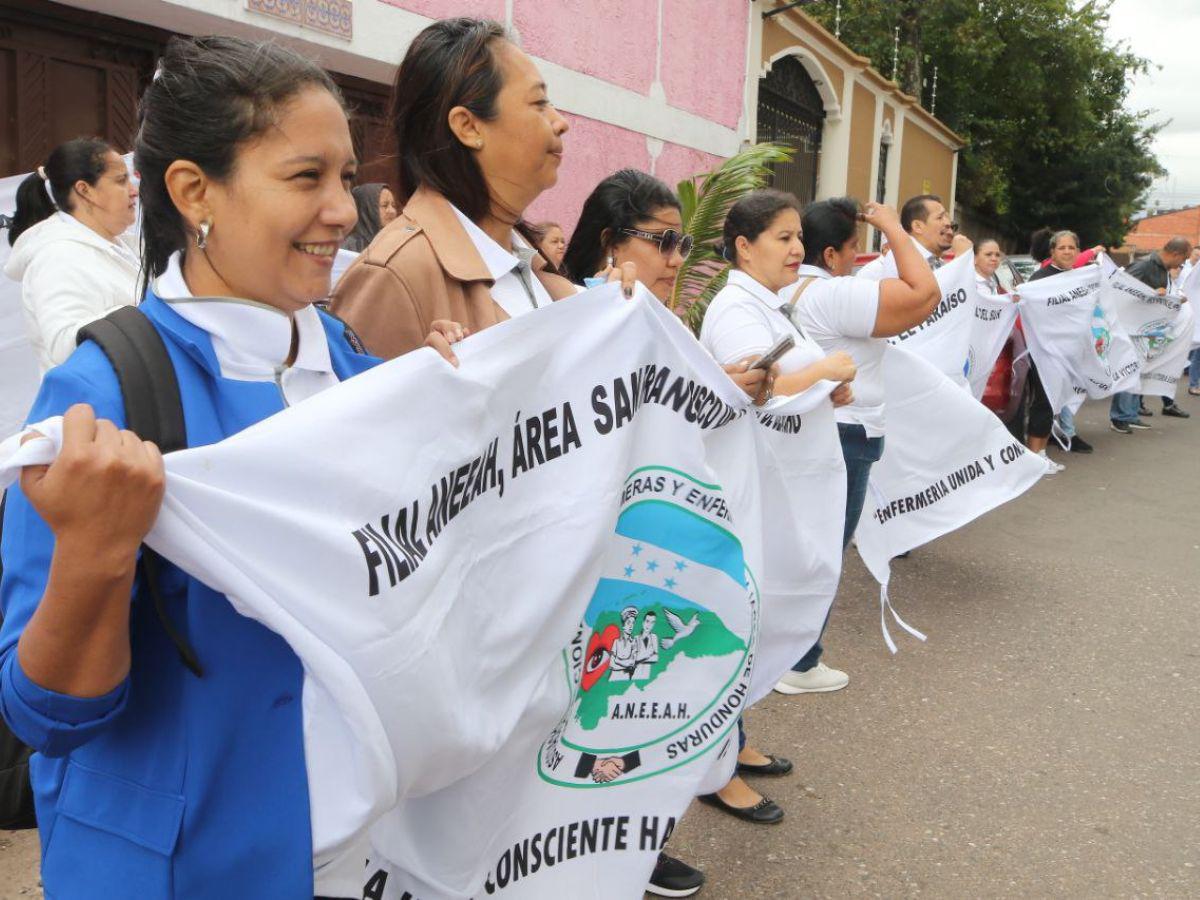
(820, 679)
(1055, 467)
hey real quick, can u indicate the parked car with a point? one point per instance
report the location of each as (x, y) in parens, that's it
(1025, 265)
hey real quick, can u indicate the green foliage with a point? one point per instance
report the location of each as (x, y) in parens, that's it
(705, 199)
(1038, 92)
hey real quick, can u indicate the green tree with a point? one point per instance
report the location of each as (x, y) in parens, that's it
(1038, 92)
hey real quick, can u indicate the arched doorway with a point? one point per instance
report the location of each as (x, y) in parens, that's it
(791, 112)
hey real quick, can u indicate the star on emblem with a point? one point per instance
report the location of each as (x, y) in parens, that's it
(637, 549)
(652, 565)
(670, 582)
(680, 565)
(629, 571)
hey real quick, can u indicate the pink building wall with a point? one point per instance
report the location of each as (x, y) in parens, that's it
(702, 70)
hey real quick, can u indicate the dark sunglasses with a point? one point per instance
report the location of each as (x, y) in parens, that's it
(668, 241)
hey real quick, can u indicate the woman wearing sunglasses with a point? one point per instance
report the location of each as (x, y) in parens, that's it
(630, 217)
(633, 218)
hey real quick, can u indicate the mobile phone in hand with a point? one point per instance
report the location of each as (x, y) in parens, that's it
(772, 356)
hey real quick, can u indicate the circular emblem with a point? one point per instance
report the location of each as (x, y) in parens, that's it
(661, 662)
(1156, 337)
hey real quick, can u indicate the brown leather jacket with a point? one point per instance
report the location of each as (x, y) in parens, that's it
(422, 267)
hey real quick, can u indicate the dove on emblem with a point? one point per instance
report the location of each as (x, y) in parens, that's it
(682, 629)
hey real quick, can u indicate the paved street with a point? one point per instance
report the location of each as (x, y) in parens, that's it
(1044, 743)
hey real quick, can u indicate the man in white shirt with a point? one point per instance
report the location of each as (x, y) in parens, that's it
(932, 233)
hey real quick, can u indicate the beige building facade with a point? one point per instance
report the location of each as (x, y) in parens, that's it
(857, 134)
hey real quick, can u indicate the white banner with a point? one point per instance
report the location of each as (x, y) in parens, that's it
(1077, 344)
(1160, 327)
(528, 593)
(944, 338)
(995, 315)
(946, 461)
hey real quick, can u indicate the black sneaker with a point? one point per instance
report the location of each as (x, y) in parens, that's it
(1174, 411)
(1079, 445)
(674, 878)
(1120, 427)
(1143, 411)
(1139, 425)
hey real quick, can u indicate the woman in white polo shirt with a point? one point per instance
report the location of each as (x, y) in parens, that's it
(762, 239)
(854, 315)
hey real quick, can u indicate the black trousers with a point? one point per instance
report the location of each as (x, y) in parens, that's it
(1041, 416)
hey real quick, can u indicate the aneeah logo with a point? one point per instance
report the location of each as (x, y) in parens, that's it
(660, 666)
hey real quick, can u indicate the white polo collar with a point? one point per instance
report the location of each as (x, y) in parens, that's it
(740, 279)
(498, 261)
(250, 339)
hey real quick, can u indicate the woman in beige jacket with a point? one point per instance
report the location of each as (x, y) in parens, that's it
(478, 142)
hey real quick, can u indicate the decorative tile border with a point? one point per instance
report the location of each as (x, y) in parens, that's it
(288, 10)
(335, 17)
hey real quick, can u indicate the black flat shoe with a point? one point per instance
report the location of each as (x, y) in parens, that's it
(1143, 411)
(777, 766)
(1175, 412)
(764, 812)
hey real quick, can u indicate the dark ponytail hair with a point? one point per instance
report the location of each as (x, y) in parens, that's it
(828, 223)
(751, 216)
(451, 63)
(619, 201)
(209, 96)
(82, 159)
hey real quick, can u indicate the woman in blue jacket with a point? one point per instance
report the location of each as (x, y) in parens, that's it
(152, 781)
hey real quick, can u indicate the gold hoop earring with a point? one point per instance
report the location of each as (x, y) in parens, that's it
(202, 234)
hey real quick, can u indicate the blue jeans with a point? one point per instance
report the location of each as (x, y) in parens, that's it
(860, 453)
(1125, 407)
(1194, 368)
(1066, 421)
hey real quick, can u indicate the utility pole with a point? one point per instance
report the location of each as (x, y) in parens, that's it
(933, 99)
(895, 52)
(837, 21)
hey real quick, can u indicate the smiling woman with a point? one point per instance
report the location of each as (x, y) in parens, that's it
(267, 229)
(479, 141)
(171, 756)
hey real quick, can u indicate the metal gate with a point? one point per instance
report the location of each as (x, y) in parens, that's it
(791, 112)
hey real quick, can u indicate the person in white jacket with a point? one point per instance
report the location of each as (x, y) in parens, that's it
(68, 246)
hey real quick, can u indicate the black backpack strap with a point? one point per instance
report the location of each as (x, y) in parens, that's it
(153, 408)
(153, 411)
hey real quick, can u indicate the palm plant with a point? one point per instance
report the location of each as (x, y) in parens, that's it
(705, 199)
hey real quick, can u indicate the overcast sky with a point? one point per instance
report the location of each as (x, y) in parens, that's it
(1168, 33)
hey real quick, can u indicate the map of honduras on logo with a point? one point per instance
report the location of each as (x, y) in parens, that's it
(661, 663)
